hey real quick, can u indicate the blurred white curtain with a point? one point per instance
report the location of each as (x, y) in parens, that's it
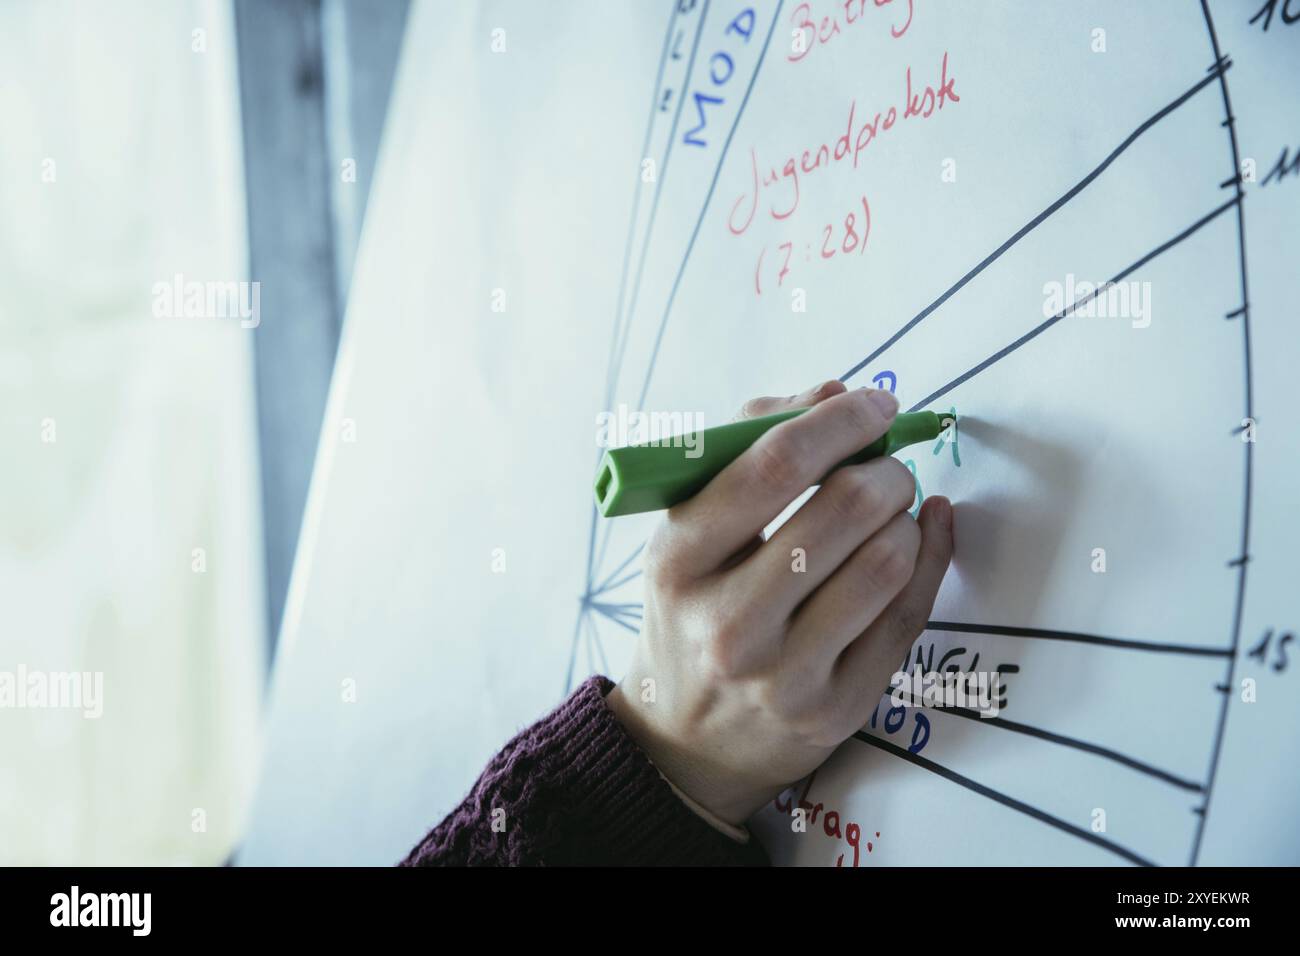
(129, 543)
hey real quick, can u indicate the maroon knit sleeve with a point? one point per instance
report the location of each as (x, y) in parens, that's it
(576, 789)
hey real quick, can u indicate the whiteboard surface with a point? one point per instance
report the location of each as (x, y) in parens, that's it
(520, 272)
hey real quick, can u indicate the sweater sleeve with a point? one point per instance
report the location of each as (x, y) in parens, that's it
(575, 789)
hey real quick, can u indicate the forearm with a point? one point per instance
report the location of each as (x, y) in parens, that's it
(575, 789)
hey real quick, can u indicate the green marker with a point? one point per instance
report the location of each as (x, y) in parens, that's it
(650, 477)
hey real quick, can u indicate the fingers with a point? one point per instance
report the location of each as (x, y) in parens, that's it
(750, 492)
(743, 554)
(767, 405)
(854, 503)
(910, 611)
(863, 671)
(856, 594)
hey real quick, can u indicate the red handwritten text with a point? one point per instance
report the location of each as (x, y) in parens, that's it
(810, 34)
(851, 238)
(850, 832)
(922, 102)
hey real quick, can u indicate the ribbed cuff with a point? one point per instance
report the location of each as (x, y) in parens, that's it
(632, 815)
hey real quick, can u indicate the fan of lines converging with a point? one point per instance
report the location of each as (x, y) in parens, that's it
(606, 576)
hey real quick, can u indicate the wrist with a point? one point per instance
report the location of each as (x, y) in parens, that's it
(721, 795)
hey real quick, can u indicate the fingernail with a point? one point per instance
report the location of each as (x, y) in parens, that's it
(816, 390)
(885, 401)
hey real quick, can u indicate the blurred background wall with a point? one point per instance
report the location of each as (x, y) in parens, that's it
(315, 76)
(157, 456)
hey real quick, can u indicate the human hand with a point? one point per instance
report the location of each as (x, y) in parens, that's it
(761, 670)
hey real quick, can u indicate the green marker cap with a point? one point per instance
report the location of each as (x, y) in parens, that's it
(659, 475)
